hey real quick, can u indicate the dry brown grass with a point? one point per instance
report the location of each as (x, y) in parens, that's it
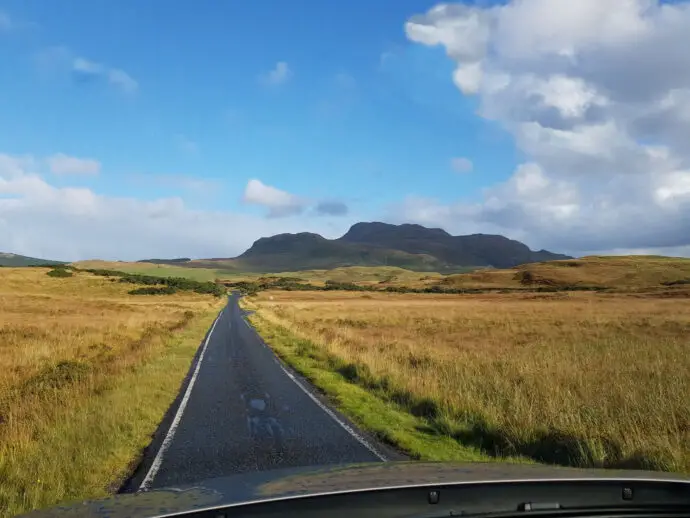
(572, 378)
(87, 373)
(614, 272)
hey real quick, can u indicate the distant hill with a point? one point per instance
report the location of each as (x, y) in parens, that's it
(7, 259)
(473, 250)
(306, 251)
(413, 247)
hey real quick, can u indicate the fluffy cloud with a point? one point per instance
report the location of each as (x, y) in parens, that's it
(64, 164)
(280, 74)
(41, 220)
(279, 203)
(597, 96)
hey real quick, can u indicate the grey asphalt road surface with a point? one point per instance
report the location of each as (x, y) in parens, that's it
(241, 410)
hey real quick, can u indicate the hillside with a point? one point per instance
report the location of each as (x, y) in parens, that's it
(306, 251)
(7, 259)
(473, 250)
(412, 247)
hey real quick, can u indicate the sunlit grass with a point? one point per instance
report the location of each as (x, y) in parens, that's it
(619, 272)
(87, 374)
(576, 379)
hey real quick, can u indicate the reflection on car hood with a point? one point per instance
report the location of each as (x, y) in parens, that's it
(288, 483)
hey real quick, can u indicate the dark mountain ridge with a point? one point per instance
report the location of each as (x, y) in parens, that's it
(410, 246)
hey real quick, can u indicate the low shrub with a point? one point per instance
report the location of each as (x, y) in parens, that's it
(59, 272)
(153, 290)
(178, 283)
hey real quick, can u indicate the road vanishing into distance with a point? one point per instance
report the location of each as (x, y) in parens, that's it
(241, 410)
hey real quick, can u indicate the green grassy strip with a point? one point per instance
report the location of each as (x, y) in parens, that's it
(386, 420)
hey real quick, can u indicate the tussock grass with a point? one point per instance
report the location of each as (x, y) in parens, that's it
(580, 379)
(389, 275)
(87, 373)
(618, 272)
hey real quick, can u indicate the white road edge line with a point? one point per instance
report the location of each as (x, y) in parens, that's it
(158, 460)
(328, 411)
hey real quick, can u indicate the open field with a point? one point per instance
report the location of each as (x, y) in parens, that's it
(361, 274)
(615, 272)
(158, 270)
(584, 379)
(619, 272)
(87, 374)
(388, 275)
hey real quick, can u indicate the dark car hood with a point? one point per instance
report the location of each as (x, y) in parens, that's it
(290, 483)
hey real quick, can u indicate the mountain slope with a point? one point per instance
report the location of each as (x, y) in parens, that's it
(473, 250)
(413, 247)
(306, 251)
(7, 259)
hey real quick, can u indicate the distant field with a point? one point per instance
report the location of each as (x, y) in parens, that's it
(624, 272)
(160, 270)
(389, 275)
(579, 379)
(362, 275)
(87, 374)
(611, 271)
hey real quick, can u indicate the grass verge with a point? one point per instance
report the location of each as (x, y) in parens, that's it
(88, 374)
(575, 379)
(391, 422)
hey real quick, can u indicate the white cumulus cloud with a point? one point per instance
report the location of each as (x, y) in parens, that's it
(597, 98)
(41, 220)
(279, 203)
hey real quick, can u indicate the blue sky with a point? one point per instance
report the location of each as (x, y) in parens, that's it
(365, 115)
(134, 128)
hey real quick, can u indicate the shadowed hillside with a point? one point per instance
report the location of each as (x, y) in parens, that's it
(412, 247)
(473, 250)
(7, 259)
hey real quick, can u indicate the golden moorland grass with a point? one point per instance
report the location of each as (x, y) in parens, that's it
(388, 275)
(579, 379)
(618, 272)
(87, 373)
